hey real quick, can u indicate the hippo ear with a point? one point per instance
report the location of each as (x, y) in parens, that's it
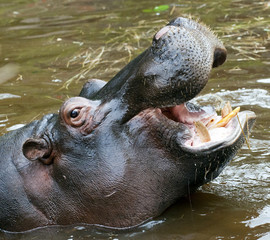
(37, 149)
(91, 87)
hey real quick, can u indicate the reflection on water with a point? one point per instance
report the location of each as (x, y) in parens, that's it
(247, 97)
(260, 221)
(240, 97)
(266, 80)
(7, 72)
(263, 218)
(44, 43)
(8, 95)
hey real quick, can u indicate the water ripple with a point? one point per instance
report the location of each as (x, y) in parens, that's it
(252, 97)
(263, 218)
(240, 97)
(264, 80)
(8, 95)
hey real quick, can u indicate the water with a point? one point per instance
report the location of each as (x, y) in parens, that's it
(43, 44)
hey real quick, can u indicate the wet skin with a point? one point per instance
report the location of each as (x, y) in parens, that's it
(121, 152)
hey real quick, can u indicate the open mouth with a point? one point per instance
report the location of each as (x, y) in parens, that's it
(208, 128)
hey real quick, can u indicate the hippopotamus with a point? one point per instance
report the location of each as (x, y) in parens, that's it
(121, 152)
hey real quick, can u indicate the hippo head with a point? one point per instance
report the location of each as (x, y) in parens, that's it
(122, 152)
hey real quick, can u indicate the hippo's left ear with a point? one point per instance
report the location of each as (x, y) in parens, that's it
(91, 87)
(38, 149)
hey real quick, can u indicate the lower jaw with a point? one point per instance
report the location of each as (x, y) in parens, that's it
(218, 135)
(215, 134)
(239, 125)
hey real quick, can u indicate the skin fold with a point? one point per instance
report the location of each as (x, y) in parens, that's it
(111, 157)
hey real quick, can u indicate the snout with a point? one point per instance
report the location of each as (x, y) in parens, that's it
(173, 70)
(220, 53)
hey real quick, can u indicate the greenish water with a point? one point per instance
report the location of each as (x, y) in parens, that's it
(44, 43)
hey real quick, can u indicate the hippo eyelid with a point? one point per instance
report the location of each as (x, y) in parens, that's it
(82, 118)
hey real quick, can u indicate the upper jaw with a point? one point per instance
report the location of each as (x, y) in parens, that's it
(173, 70)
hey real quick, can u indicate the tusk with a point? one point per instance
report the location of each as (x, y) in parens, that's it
(227, 109)
(202, 131)
(224, 121)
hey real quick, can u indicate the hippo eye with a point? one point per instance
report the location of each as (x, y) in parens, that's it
(77, 113)
(74, 113)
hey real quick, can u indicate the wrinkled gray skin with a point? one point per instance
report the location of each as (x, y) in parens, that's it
(111, 157)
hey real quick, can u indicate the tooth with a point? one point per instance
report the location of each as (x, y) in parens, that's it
(227, 109)
(224, 121)
(202, 132)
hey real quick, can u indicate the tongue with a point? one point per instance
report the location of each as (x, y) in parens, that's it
(188, 113)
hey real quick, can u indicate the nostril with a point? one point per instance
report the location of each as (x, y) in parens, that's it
(220, 56)
(178, 22)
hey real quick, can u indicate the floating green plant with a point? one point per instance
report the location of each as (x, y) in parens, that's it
(160, 8)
